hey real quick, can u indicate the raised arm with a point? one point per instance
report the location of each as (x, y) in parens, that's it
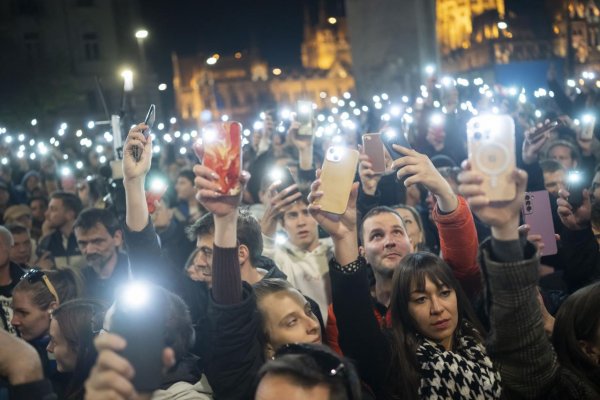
(360, 336)
(517, 342)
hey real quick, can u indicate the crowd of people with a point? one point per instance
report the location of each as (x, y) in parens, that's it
(421, 289)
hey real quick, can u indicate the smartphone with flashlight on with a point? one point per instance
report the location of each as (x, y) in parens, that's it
(491, 148)
(391, 136)
(223, 154)
(158, 187)
(537, 135)
(304, 115)
(337, 176)
(588, 122)
(140, 318)
(575, 186)
(285, 178)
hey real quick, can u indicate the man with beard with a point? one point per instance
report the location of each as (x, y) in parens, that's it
(99, 237)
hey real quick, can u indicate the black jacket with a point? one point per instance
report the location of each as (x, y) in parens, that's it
(104, 289)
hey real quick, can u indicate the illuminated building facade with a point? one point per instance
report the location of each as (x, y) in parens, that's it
(239, 85)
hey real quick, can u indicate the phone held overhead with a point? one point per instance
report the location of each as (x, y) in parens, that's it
(149, 122)
(222, 142)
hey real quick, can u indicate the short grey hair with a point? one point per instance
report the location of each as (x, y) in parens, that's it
(6, 236)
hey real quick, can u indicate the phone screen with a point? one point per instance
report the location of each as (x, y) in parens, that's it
(304, 115)
(392, 136)
(150, 118)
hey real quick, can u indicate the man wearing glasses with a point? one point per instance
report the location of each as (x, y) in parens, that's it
(10, 274)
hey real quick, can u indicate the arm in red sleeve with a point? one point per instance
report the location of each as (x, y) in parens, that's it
(459, 244)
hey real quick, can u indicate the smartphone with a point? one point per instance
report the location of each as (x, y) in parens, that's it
(391, 136)
(373, 147)
(575, 185)
(150, 118)
(588, 122)
(222, 153)
(158, 187)
(491, 148)
(140, 318)
(538, 215)
(337, 176)
(284, 176)
(537, 135)
(304, 115)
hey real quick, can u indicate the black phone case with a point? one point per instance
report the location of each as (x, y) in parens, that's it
(575, 194)
(143, 329)
(399, 139)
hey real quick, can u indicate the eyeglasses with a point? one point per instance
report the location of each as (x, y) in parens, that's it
(35, 275)
(329, 364)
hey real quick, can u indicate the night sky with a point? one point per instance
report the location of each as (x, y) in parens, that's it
(188, 27)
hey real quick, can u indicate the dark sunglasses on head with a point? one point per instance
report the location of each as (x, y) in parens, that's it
(36, 275)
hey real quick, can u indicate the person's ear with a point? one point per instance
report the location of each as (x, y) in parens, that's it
(52, 306)
(243, 253)
(361, 251)
(118, 237)
(269, 351)
(593, 352)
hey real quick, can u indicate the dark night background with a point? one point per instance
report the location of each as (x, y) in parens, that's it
(187, 27)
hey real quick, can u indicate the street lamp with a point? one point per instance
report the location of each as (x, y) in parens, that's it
(140, 36)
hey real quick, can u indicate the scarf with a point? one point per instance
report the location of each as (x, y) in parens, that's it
(464, 373)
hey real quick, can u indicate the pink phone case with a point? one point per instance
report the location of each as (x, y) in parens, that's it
(538, 215)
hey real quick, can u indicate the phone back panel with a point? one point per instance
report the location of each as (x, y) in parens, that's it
(337, 176)
(537, 213)
(491, 143)
(373, 147)
(222, 153)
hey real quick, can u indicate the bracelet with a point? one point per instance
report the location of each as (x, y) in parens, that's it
(351, 268)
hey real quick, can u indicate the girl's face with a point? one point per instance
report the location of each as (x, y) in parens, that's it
(31, 321)
(288, 318)
(412, 228)
(435, 312)
(66, 356)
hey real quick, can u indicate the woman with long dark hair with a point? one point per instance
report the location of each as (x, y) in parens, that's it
(73, 328)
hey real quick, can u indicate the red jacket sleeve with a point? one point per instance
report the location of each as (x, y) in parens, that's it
(459, 245)
(332, 331)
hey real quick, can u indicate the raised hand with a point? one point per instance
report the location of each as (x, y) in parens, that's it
(574, 219)
(368, 178)
(133, 168)
(502, 217)
(277, 203)
(210, 194)
(419, 169)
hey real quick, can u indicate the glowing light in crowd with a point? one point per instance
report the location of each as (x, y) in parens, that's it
(430, 69)
(156, 149)
(65, 171)
(162, 87)
(211, 60)
(108, 136)
(34, 122)
(79, 133)
(346, 95)
(321, 95)
(538, 114)
(502, 25)
(277, 71)
(334, 99)
(173, 120)
(285, 113)
(182, 150)
(79, 164)
(91, 125)
(177, 134)
(332, 20)
(225, 118)
(384, 96)
(341, 103)
(160, 126)
(280, 238)
(21, 137)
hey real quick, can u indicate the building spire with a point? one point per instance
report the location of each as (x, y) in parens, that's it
(322, 13)
(307, 21)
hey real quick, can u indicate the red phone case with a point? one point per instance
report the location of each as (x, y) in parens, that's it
(538, 215)
(222, 153)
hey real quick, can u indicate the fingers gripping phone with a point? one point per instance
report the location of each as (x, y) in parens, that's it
(337, 176)
(373, 147)
(304, 115)
(538, 215)
(222, 153)
(149, 121)
(140, 318)
(537, 135)
(284, 176)
(491, 145)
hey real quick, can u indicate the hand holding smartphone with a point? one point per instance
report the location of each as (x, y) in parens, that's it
(222, 144)
(285, 178)
(149, 121)
(588, 123)
(491, 145)
(539, 133)
(392, 136)
(575, 186)
(140, 318)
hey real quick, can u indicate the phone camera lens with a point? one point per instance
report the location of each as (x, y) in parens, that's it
(528, 208)
(527, 198)
(477, 136)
